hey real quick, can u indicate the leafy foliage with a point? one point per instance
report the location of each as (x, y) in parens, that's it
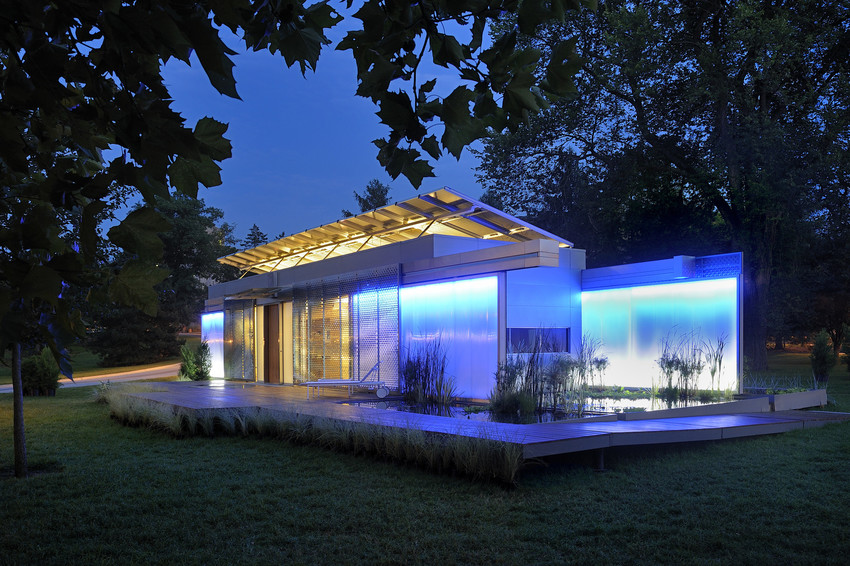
(195, 364)
(707, 127)
(500, 90)
(40, 372)
(823, 357)
(846, 348)
(193, 238)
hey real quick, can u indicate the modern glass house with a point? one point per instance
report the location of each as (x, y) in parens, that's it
(353, 298)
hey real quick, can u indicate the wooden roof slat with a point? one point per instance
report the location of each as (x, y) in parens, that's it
(443, 211)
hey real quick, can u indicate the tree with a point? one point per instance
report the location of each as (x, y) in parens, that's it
(196, 238)
(255, 237)
(85, 114)
(375, 196)
(735, 112)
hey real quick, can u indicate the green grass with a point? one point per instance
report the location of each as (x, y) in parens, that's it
(785, 367)
(86, 363)
(110, 494)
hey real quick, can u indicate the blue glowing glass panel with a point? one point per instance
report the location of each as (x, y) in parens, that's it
(632, 323)
(212, 332)
(464, 316)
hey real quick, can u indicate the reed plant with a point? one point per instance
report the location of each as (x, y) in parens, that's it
(424, 380)
(536, 382)
(714, 357)
(681, 358)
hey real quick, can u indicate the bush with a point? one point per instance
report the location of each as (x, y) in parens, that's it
(39, 373)
(822, 357)
(505, 403)
(196, 365)
(846, 349)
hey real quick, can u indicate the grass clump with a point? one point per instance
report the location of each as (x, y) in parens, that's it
(423, 376)
(534, 381)
(482, 457)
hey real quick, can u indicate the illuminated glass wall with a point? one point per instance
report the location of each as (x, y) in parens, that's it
(212, 332)
(633, 322)
(464, 316)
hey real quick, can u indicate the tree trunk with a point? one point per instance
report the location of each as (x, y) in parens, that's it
(755, 329)
(18, 408)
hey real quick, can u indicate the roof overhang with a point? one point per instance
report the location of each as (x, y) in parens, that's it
(443, 211)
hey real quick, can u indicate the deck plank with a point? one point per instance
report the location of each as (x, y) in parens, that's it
(538, 440)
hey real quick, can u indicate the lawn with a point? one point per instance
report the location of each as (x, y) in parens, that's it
(113, 494)
(86, 363)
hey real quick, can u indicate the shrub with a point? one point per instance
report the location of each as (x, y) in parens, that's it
(39, 373)
(822, 357)
(846, 349)
(196, 365)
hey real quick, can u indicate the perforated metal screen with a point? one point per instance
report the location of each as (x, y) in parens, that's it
(239, 339)
(346, 327)
(717, 266)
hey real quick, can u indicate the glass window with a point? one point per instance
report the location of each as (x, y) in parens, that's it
(541, 340)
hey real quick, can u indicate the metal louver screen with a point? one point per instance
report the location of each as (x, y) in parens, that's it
(346, 327)
(239, 339)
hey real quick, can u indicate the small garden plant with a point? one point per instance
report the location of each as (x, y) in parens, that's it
(196, 364)
(822, 357)
(40, 373)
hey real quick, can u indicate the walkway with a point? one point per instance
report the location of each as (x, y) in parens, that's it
(169, 370)
(537, 439)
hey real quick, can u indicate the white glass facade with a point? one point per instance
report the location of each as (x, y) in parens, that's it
(633, 322)
(464, 316)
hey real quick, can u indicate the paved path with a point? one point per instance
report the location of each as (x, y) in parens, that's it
(147, 373)
(536, 439)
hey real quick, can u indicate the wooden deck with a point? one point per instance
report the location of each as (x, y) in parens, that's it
(538, 440)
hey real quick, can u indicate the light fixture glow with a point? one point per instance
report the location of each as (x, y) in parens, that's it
(463, 315)
(212, 332)
(632, 322)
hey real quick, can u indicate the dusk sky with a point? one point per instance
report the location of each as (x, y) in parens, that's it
(301, 146)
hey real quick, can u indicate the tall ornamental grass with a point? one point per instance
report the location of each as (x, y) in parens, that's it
(480, 457)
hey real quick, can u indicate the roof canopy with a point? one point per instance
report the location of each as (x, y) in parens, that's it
(443, 211)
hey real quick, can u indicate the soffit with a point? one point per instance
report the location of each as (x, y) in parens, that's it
(443, 211)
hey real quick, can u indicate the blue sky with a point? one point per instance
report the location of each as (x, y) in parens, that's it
(301, 146)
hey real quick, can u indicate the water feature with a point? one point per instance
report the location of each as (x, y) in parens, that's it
(593, 408)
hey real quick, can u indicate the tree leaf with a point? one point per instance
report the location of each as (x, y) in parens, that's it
(139, 232)
(210, 133)
(134, 286)
(212, 53)
(43, 283)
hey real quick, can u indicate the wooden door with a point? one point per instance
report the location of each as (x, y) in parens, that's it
(271, 323)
